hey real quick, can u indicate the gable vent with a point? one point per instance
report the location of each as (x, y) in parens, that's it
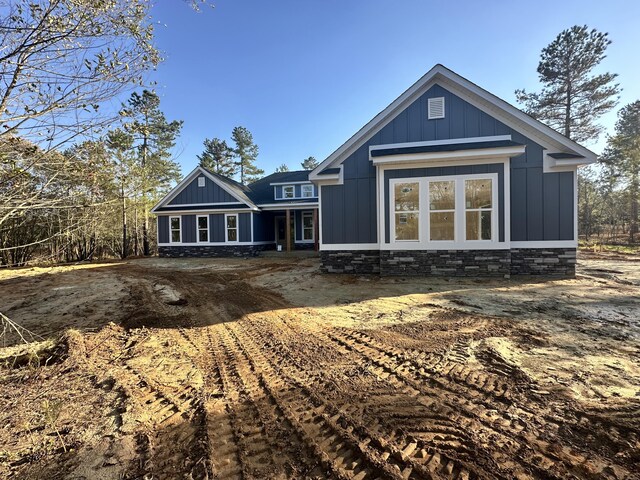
(201, 182)
(435, 108)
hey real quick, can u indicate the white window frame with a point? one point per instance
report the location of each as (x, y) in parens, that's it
(424, 225)
(293, 192)
(302, 228)
(171, 230)
(201, 182)
(304, 189)
(429, 181)
(392, 208)
(478, 210)
(198, 217)
(226, 229)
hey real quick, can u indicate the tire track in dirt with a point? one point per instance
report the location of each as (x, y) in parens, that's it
(175, 418)
(409, 457)
(520, 429)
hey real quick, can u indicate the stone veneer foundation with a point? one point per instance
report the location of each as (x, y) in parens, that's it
(211, 251)
(453, 263)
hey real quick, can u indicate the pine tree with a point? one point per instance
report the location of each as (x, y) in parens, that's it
(282, 168)
(572, 99)
(154, 139)
(246, 153)
(218, 157)
(622, 158)
(310, 163)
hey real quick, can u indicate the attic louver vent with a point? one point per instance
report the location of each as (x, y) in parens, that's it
(201, 182)
(435, 108)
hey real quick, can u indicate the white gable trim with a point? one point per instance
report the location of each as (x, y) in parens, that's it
(188, 179)
(453, 157)
(468, 91)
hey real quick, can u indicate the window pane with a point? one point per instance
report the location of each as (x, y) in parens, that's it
(307, 234)
(485, 225)
(175, 223)
(203, 236)
(407, 196)
(202, 222)
(442, 195)
(288, 192)
(442, 225)
(175, 235)
(478, 193)
(307, 191)
(232, 235)
(231, 221)
(307, 221)
(407, 226)
(473, 226)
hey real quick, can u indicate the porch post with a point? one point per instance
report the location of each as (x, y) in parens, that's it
(288, 230)
(316, 238)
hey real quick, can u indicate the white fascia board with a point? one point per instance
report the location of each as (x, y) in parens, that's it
(435, 143)
(180, 186)
(551, 164)
(509, 114)
(468, 91)
(205, 211)
(332, 178)
(175, 190)
(348, 246)
(291, 183)
(451, 157)
(290, 206)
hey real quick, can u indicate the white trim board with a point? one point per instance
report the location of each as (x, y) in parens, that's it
(436, 143)
(213, 244)
(452, 158)
(499, 246)
(469, 92)
(189, 178)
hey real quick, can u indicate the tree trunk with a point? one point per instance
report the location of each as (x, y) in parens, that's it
(567, 112)
(633, 193)
(125, 249)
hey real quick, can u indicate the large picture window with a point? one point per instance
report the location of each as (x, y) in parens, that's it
(407, 211)
(203, 228)
(174, 225)
(478, 208)
(232, 228)
(442, 210)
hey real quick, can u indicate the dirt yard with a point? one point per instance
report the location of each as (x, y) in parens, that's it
(263, 368)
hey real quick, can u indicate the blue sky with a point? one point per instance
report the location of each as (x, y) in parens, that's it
(303, 76)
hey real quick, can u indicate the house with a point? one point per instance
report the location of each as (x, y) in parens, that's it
(208, 214)
(447, 180)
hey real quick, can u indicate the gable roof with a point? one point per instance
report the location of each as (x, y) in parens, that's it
(233, 188)
(470, 92)
(258, 192)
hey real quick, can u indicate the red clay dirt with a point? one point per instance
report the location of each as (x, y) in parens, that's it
(264, 368)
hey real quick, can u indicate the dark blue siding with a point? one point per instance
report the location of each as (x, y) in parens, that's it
(188, 228)
(163, 229)
(216, 227)
(354, 203)
(244, 226)
(210, 193)
(263, 227)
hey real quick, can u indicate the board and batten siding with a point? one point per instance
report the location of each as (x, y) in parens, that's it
(541, 203)
(163, 229)
(210, 193)
(217, 227)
